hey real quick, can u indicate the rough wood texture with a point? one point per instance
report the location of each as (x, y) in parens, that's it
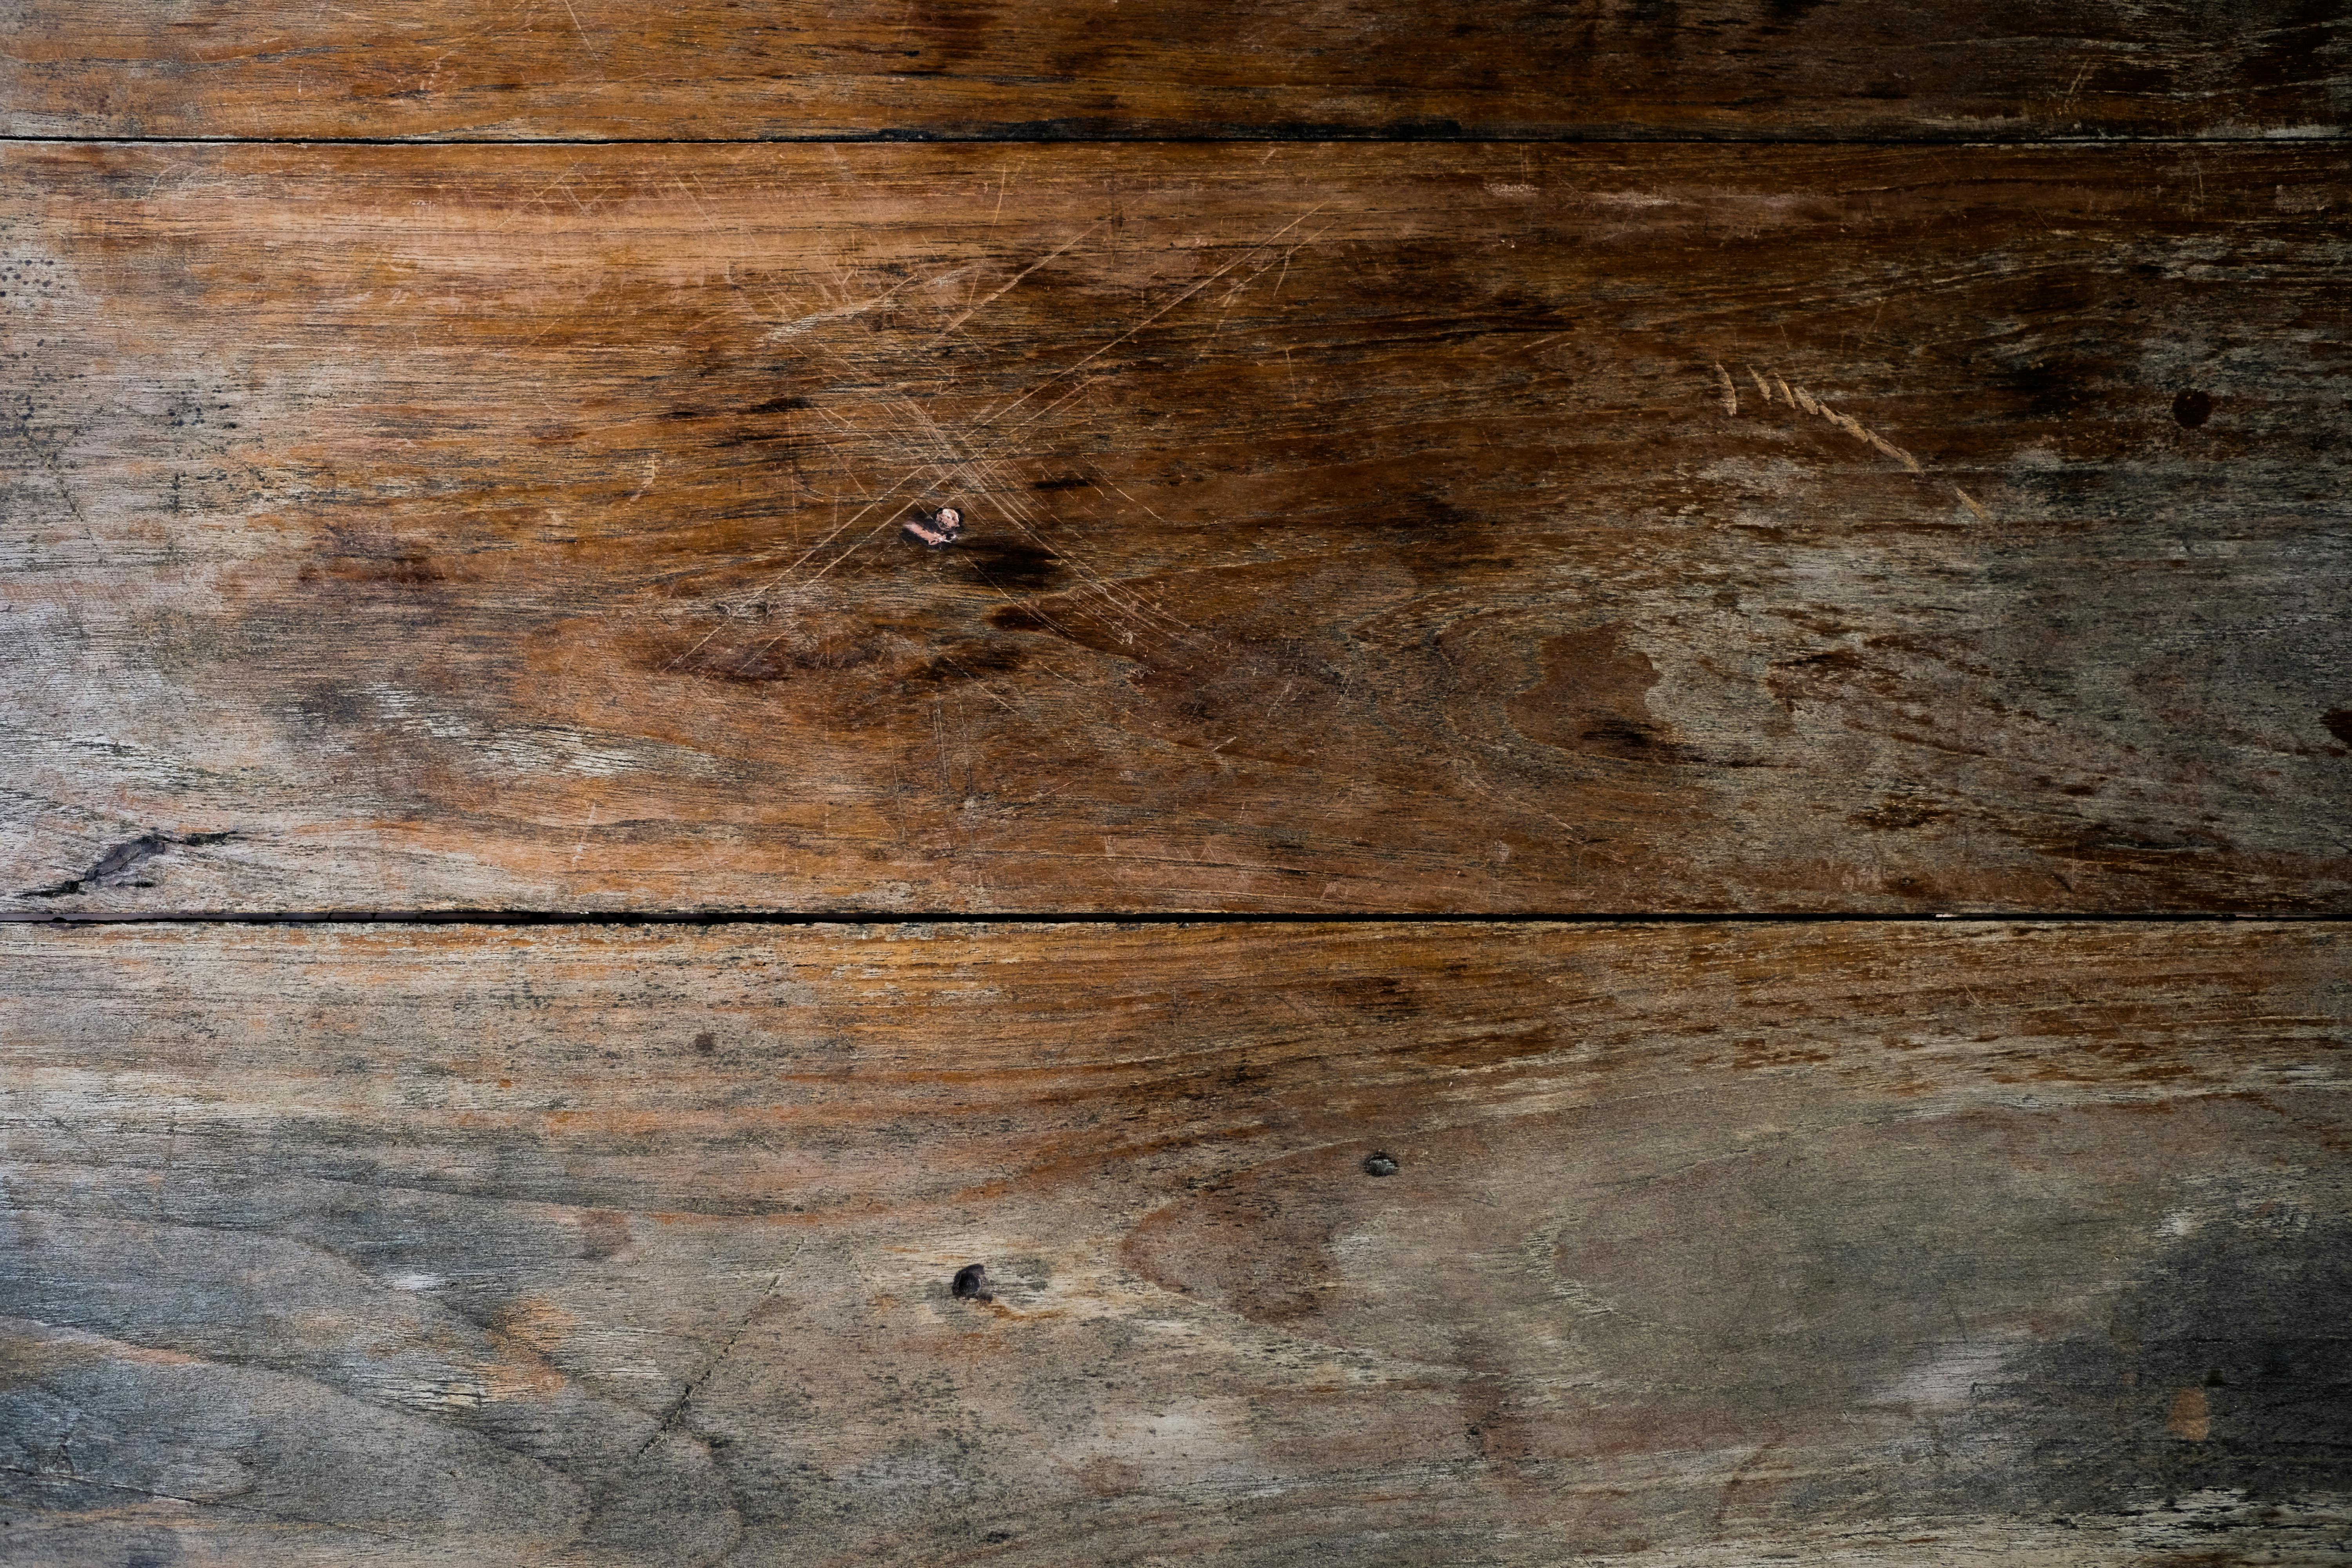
(1491, 529)
(1909, 1245)
(727, 69)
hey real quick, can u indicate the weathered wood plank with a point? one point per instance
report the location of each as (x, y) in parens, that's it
(725, 69)
(1504, 529)
(1922, 1245)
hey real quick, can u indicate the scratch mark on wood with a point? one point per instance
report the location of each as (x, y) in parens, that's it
(996, 414)
(1056, 255)
(1798, 397)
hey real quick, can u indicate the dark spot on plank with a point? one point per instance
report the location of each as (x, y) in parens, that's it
(972, 1283)
(969, 661)
(2339, 723)
(1898, 812)
(1065, 482)
(1819, 677)
(1015, 566)
(2192, 408)
(1381, 1165)
(1383, 997)
(706, 1042)
(1616, 735)
(413, 569)
(1418, 517)
(1018, 618)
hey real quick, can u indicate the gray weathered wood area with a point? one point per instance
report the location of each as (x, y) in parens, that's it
(1491, 529)
(1707, 1245)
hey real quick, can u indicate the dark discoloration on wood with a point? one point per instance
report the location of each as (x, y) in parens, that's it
(1392, 529)
(1888, 1246)
(1805, 69)
(125, 861)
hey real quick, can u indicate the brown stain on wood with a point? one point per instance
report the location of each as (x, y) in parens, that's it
(1593, 698)
(547, 553)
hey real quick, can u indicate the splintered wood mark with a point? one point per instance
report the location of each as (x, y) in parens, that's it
(1799, 398)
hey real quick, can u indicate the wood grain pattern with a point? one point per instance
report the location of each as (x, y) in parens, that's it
(1090, 68)
(1917, 1245)
(1385, 529)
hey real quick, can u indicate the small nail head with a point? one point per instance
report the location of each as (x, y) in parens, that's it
(972, 1283)
(934, 529)
(1381, 1165)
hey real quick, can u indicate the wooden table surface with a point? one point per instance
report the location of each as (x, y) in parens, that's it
(1620, 836)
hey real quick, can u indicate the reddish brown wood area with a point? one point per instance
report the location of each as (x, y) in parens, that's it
(1088, 69)
(1703, 1245)
(1493, 529)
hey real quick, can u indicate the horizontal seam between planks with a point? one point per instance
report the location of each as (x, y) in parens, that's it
(895, 138)
(950, 917)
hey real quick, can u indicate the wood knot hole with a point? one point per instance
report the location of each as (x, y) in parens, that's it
(972, 1283)
(1381, 1165)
